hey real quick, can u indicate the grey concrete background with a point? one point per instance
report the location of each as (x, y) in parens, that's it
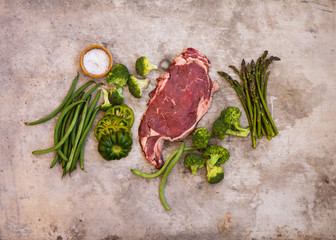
(284, 189)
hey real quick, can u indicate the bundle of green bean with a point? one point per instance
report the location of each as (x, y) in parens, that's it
(252, 93)
(73, 125)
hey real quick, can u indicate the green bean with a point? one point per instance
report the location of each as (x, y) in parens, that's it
(158, 173)
(166, 174)
(81, 157)
(71, 161)
(63, 151)
(67, 144)
(88, 93)
(91, 109)
(85, 133)
(60, 107)
(61, 117)
(66, 135)
(75, 130)
(55, 161)
(79, 92)
(60, 126)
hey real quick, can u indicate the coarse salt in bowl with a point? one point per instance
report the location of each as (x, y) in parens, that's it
(96, 61)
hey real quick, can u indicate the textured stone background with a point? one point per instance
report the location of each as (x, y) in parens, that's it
(285, 189)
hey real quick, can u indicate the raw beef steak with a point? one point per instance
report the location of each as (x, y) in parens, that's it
(182, 96)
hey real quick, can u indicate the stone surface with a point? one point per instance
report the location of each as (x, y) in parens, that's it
(284, 189)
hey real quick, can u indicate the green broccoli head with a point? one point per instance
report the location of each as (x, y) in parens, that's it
(118, 75)
(216, 155)
(193, 161)
(220, 128)
(107, 104)
(143, 66)
(201, 138)
(136, 86)
(231, 116)
(215, 174)
(116, 96)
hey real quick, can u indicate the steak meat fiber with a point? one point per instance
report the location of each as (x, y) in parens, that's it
(182, 96)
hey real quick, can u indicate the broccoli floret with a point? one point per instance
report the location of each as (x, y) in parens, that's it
(231, 116)
(107, 104)
(216, 155)
(215, 174)
(220, 128)
(143, 66)
(193, 161)
(116, 96)
(201, 138)
(136, 86)
(118, 75)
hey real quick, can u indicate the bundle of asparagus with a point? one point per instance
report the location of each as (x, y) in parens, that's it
(252, 92)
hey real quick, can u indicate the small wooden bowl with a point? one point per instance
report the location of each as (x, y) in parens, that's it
(88, 49)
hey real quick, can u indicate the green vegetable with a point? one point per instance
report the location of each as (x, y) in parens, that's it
(228, 123)
(107, 104)
(136, 86)
(72, 162)
(166, 174)
(215, 155)
(193, 161)
(79, 93)
(143, 66)
(158, 173)
(92, 109)
(79, 150)
(118, 75)
(60, 107)
(231, 117)
(116, 96)
(116, 144)
(112, 97)
(215, 174)
(252, 94)
(122, 111)
(109, 122)
(59, 144)
(220, 128)
(72, 127)
(201, 138)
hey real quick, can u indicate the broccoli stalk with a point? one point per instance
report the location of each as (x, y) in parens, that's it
(107, 104)
(228, 123)
(193, 161)
(216, 155)
(136, 86)
(143, 66)
(201, 138)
